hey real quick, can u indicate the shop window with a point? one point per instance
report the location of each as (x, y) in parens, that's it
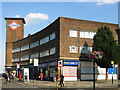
(73, 33)
(52, 36)
(16, 59)
(73, 49)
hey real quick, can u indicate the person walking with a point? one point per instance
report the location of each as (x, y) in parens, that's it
(61, 80)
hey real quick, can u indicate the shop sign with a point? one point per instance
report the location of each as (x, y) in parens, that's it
(69, 62)
(13, 25)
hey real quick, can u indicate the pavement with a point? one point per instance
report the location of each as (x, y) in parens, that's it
(76, 85)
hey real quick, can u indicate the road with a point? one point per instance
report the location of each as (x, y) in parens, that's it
(17, 85)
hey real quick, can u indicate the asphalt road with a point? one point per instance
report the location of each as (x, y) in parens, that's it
(16, 85)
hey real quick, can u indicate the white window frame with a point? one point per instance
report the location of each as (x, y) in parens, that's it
(73, 49)
(73, 33)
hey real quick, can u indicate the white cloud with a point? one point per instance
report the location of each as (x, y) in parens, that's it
(100, 2)
(17, 16)
(35, 17)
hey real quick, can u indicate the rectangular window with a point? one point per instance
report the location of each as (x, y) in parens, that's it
(17, 49)
(34, 44)
(84, 49)
(73, 49)
(34, 55)
(16, 59)
(44, 53)
(86, 34)
(52, 51)
(73, 33)
(26, 57)
(52, 36)
(44, 40)
(25, 47)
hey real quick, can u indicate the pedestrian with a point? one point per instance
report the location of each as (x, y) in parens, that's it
(9, 79)
(6, 77)
(61, 80)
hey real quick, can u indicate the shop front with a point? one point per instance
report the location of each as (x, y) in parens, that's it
(48, 70)
(70, 70)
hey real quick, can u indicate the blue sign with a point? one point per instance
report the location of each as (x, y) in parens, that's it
(110, 70)
(70, 62)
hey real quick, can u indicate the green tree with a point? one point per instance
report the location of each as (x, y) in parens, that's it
(104, 42)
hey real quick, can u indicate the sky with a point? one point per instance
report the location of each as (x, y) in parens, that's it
(38, 15)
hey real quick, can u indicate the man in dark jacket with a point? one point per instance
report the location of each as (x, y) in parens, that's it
(61, 80)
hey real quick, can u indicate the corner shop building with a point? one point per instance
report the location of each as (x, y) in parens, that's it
(64, 40)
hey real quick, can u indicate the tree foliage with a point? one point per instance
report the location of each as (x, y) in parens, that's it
(104, 42)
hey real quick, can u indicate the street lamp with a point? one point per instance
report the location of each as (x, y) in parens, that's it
(112, 62)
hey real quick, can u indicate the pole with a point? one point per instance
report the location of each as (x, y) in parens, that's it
(93, 74)
(33, 74)
(112, 75)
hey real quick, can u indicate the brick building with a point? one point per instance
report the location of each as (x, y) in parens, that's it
(63, 41)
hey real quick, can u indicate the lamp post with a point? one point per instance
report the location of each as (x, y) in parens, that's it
(112, 62)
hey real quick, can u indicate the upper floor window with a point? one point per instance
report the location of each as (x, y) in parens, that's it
(34, 55)
(16, 50)
(16, 59)
(24, 47)
(73, 49)
(73, 33)
(86, 34)
(84, 49)
(44, 53)
(52, 36)
(34, 44)
(44, 40)
(26, 57)
(52, 51)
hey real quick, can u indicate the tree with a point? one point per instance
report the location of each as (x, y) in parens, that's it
(104, 41)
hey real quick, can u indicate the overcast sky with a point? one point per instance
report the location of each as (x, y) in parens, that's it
(38, 15)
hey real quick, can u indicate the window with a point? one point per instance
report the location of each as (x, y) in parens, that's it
(44, 53)
(52, 36)
(84, 49)
(44, 40)
(34, 55)
(86, 34)
(16, 50)
(34, 44)
(26, 57)
(16, 59)
(73, 49)
(73, 33)
(52, 51)
(25, 47)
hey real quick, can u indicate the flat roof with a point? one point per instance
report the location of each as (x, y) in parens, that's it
(23, 20)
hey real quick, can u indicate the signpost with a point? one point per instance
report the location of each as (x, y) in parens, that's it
(60, 65)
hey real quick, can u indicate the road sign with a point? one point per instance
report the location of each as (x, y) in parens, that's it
(112, 62)
(35, 62)
(60, 65)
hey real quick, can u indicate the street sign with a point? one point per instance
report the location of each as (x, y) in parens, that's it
(13, 25)
(60, 65)
(35, 62)
(112, 62)
(18, 66)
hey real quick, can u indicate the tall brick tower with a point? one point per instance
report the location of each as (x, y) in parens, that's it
(14, 32)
